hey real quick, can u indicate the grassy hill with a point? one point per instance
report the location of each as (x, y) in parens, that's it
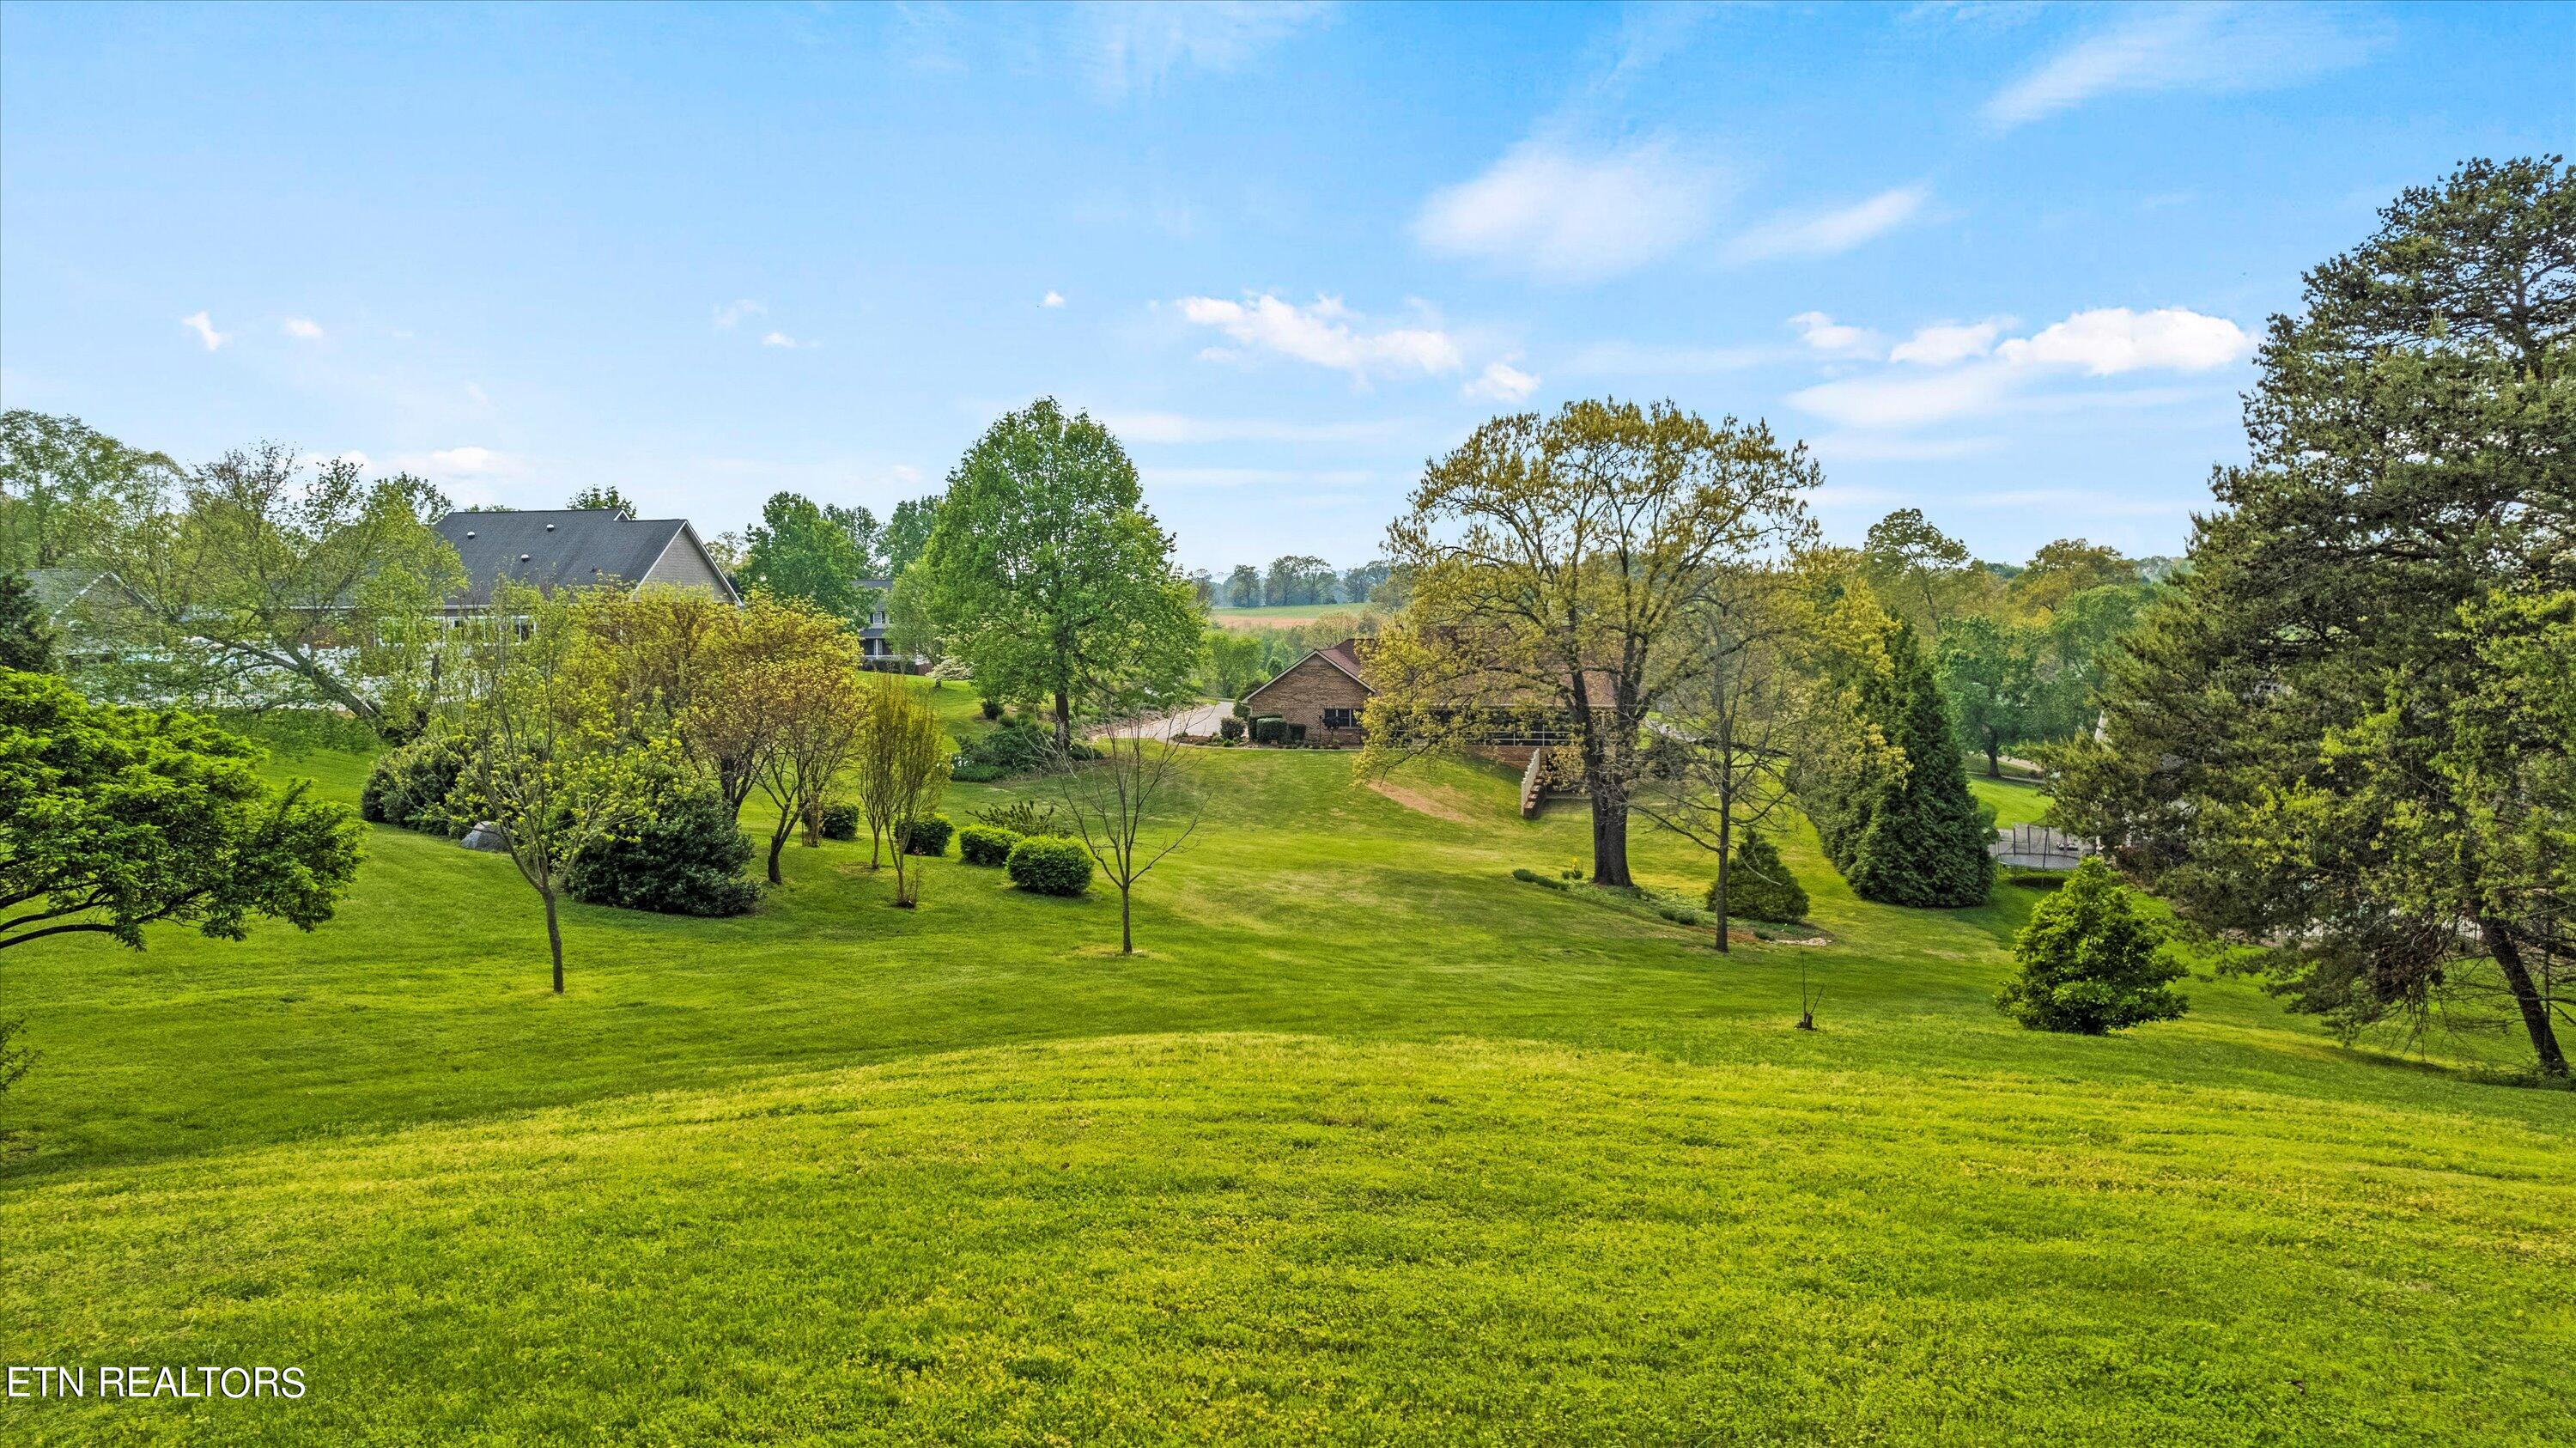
(1375, 1142)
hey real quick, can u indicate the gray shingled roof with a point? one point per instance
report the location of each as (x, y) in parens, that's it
(575, 546)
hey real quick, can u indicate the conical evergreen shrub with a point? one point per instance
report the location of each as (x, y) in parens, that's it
(1759, 885)
(1915, 836)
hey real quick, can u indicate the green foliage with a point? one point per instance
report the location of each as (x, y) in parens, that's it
(1229, 729)
(410, 787)
(1017, 747)
(26, 642)
(15, 1058)
(1992, 672)
(1906, 831)
(1046, 574)
(675, 849)
(840, 821)
(1050, 865)
(604, 497)
(927, 835)
(816, 553)
(66, 490)
(1020, 817)
(111, 819)
(2091, 960)
(1759, 885)
(907, 532)
(985, 844)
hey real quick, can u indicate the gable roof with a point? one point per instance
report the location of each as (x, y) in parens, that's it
(1344, 656)
(560, 546)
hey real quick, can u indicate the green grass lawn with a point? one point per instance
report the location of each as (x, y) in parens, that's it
(1373, 1143)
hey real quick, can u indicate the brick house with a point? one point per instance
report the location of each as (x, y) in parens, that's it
(1319, 700)
(1319, 697)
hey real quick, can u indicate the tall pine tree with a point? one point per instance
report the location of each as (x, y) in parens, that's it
(1906, 831)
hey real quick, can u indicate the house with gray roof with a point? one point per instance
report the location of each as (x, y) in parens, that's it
(577, 548)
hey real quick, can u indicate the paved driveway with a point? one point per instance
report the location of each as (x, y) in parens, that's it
(1198, 719)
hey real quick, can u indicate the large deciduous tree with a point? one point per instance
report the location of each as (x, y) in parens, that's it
(801, 549)
(260, 584)
(1554, 562)
(1047, 576)
(66, 488)
(814, 694)
(113, 818)
(1995, 673)
(2307, 744)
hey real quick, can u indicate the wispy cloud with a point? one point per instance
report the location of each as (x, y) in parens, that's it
(1564, 213)
(2208, 48)
(781, 339)
(729, 315)
(1052, 299)
(303, 329)
(1501, 382)
(204, 327)
(1823, 334)
(1253, 477)
(1631, 359)
(1132, 47)
(1830, 233)
(1326, 334)
(1944, 343)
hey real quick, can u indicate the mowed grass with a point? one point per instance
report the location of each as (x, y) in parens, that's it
(1374, 1143)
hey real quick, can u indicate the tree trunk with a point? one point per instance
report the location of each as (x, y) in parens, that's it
(554, 938)
(2500, 943)
(778, 842)
(1063, 724)
(1994, 761)
(1126, 932)
(1725, 826)
(814, 823)
(1609, 843)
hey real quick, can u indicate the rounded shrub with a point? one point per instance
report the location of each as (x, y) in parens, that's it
(927, 835)
(986, 844)
(1229, 728)
(992, 708)
(2091, 960)
(410, 786)
(840, 821)
(1050, 865)
(1015, 748)
(678, 853)
(1759, 885)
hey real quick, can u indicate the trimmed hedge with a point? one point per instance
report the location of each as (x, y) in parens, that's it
(986, 844)
(409, 787)
(927, 835)
(1050, 865)
(840, 821)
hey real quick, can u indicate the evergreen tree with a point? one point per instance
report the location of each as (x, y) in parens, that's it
(26, 643)
(1759, 885)
(2090, 960)
(1909, 833)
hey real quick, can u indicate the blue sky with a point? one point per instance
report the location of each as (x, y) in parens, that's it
(2004, 264)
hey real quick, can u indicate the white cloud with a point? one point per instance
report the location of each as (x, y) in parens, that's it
(2208, 48)
(729, 315)
(781, 339)
(1954, 374)
(1943, 343)
(1823, 334)
(1501, 382)
(1325, 334)
(472, 461)
(205, 330)
(1134, 46)
(1052, 299)
(1831, 233)
(2114, 339)
(1562, 215)
(301, 328)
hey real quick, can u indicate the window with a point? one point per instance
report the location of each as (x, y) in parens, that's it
(1341, 719)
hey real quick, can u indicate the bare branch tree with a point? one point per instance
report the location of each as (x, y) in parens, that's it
(1133, 805)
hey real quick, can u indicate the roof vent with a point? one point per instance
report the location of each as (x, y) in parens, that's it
(550, 527)
(523, 557)
(469, 532)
